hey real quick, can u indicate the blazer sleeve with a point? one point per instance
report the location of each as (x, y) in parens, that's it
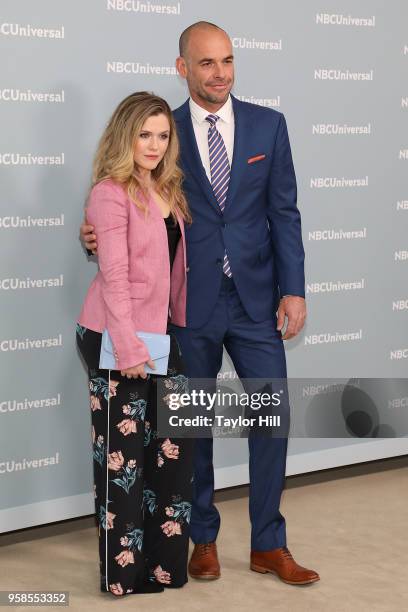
(284, 217)
(108, 211)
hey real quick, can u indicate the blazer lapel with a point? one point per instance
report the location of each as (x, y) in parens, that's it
(183, 236)
(242, 133)
(191, 155)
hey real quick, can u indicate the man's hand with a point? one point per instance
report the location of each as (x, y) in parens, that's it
(87, 236)
(294, 308)
(139, 370)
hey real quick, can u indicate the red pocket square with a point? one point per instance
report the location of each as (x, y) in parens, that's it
(256, 158)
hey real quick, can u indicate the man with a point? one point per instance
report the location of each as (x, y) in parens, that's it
(246, 263)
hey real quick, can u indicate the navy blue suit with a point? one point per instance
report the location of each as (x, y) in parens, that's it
(261, 232)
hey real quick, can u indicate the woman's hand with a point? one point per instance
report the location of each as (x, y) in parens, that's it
(139, 370)
(88, 238)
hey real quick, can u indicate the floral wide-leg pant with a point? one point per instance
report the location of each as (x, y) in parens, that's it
(142, 484)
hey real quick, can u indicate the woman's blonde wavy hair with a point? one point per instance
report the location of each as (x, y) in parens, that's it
(114, 156)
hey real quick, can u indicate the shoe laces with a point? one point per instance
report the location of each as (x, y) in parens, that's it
(204, 549)
(286, 553)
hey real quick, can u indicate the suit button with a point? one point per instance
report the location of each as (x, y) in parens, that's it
(188, 269)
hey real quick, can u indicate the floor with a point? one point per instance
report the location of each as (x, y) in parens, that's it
(349, 524)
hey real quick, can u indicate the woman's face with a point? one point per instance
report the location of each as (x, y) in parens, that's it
(152, 142)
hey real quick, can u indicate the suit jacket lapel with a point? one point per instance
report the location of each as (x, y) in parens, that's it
(242, 132)
(191, 155)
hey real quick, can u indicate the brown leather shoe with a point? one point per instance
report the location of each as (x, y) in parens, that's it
(204, 563)
(279, 561)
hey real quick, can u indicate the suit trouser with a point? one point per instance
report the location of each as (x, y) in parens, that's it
(256, 350)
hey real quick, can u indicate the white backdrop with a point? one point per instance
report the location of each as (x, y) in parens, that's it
(337, 69)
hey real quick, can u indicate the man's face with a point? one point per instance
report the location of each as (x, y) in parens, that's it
(208, 67)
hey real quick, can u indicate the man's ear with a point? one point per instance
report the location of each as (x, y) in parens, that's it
(181, 67)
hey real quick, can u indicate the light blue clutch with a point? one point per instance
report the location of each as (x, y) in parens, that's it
(158, 346)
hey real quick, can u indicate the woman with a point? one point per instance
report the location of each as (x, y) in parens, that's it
(142, 483)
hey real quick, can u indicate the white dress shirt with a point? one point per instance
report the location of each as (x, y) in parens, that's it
(225, 126)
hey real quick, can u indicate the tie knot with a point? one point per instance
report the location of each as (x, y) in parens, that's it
(212, 119)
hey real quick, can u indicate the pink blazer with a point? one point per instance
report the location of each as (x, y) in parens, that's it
(132, 290)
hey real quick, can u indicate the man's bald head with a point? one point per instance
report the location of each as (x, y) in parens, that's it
(206, 62)
(195, 27)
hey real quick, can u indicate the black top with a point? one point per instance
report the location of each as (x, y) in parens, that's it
(173, 236)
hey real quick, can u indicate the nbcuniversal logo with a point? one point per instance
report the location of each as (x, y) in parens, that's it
(135, 6)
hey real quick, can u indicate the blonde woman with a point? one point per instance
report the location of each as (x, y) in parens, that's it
(142, 483)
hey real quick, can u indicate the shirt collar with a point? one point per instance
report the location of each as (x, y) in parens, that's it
(225, 113)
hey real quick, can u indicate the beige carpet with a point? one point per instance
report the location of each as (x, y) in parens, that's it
(350, 524)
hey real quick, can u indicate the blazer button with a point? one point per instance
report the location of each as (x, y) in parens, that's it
(188, 269)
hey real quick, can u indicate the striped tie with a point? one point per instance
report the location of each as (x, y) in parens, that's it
(220, 172)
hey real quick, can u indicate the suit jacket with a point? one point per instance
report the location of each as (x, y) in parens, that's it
(131, 292)
(260, 227)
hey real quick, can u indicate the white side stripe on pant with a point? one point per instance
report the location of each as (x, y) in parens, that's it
(106, 498)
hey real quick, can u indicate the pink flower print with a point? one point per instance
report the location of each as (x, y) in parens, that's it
(125, 557)
(112, 387)
(171, 528)
(160, 460)
(170, 450)
(126, 409)
(115, 461)
(131, 463)
(95, 403)
(169, 511)
(109, 520)
(116, 588)
(127, 426)
(161, 575)
(124, 541)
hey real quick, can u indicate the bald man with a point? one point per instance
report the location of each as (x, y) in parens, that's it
(245, 281)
